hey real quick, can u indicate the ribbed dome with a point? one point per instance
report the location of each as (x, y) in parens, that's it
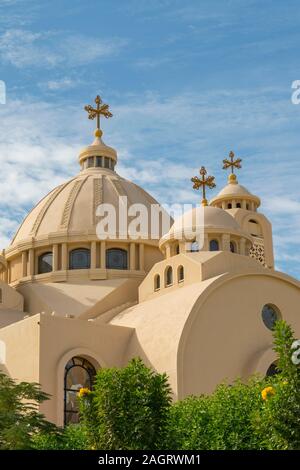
(71, 207)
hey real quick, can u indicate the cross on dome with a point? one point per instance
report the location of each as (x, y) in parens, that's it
(205, 181)
(101, 109)
(232, 164)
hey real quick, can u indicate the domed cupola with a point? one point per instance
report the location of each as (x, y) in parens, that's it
(205, 228)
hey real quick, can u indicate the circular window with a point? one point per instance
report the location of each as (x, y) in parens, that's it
(270, 314)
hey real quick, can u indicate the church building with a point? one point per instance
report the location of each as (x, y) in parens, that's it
(71, 302)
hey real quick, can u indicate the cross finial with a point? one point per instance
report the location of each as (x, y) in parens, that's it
(96, 113)
(202, 182)
(232, 163)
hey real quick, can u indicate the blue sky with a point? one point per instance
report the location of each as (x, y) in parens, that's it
(186, 82)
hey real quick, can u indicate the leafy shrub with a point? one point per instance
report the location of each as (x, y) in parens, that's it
(128, 408)
(223, 420)
(72, 437)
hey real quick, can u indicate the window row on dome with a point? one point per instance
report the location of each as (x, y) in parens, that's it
(236, 204)
(168, 277)
(218, 244)
(98, 162)
(80, 258)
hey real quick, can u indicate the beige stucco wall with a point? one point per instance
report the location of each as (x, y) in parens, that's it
(225, 336)
(15, 269)
(10, 298)
(22, 344)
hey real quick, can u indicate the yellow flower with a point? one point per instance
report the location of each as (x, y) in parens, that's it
(267, 392)
(83, 392)
(285, 382)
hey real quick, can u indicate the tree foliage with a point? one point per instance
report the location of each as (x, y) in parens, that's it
(20, 419)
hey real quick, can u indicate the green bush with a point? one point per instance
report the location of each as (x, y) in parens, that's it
(223, 420)
(128, 408)
(72, 437)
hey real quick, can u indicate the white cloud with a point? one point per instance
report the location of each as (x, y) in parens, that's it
(23, 48)
(64, 83)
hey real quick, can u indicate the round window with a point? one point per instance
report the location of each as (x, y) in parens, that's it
(270, 314)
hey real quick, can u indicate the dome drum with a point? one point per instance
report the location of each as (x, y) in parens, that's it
(218, 232)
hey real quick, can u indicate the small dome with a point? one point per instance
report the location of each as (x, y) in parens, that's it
(215, 220)
(234, 190)
(97, 148)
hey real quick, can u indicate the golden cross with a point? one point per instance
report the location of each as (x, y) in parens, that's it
(208, 181)
(96, 112)
(232, 163)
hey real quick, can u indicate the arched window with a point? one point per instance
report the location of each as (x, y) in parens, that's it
(45, 263)
(253, 221)
(238, 205)
(169, 276)
(177, 249)
(79, 373)
(180, 273)
(229, 206)
(232, 247)
(214, 245)
(157, 282)
(80, 258)
(272, 370)
(116, 258)
(270, 314)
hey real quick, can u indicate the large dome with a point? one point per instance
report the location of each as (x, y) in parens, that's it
(71, 208)
(93, 227)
